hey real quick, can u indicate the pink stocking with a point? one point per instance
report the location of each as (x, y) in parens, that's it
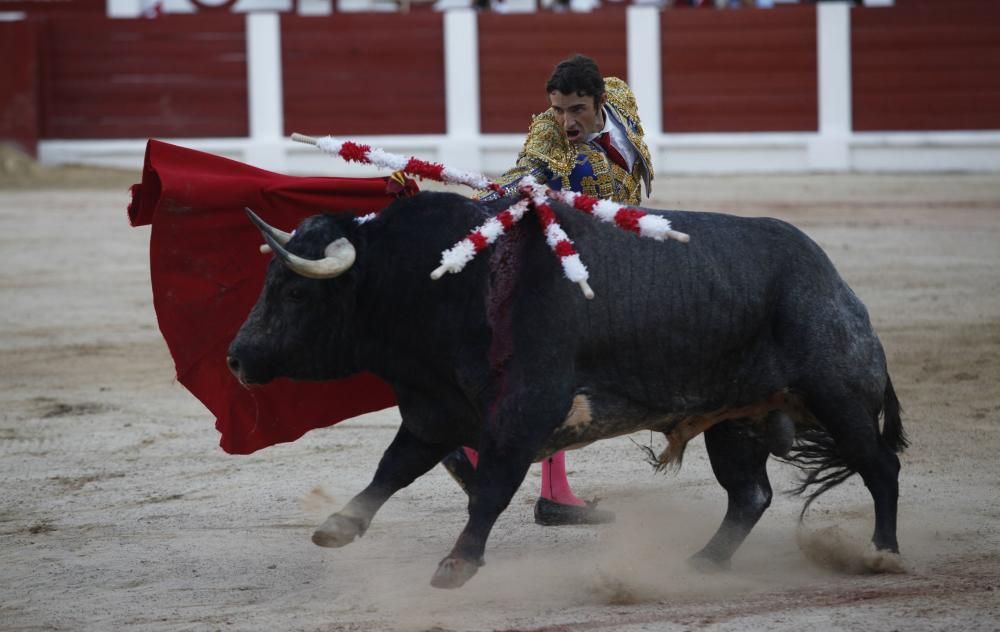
(473, 456)
(555, 485)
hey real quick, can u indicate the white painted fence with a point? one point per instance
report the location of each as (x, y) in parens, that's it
(834, 147)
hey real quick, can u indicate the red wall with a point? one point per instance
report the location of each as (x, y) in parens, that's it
(19, 84)
(926, 66)
(52, 7)
(739, 71)
(920, 65)
(517, 54)
(353, 74)
(169, 77)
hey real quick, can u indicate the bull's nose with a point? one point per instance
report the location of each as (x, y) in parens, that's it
(234, 365)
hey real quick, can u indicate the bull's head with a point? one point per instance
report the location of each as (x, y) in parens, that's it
(296, 328)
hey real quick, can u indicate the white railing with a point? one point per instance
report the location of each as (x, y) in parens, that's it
(834, 147)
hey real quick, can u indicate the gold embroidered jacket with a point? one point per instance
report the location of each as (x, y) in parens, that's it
(585, 167)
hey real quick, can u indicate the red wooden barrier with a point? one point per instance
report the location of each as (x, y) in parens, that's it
(181, 76)
(739, 71)
(354, 74)
(518, 52)
(926, 66)
(921, 65)
(54, 7)
(19, 84)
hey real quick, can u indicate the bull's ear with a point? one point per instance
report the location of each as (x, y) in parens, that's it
(338, 258)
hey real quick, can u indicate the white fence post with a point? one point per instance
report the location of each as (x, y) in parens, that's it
(644, 76)
(265, 91)
(124, 8)
(461, 145)
(830, 150)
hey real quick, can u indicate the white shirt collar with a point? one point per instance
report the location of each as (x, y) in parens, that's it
(619, 139)
(608, 125)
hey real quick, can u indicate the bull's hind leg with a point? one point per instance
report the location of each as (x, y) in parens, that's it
(860, 448)
(407, 458)
(881, 477)
(739, 460)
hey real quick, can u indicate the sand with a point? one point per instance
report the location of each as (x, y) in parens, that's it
(120, 511)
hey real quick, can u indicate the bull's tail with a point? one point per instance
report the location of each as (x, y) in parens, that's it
(892, 425)
(823, 465)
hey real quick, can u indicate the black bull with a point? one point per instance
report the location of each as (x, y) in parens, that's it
(738, 334)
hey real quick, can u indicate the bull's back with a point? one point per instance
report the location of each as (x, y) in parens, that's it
(734, 315)
(689, 325)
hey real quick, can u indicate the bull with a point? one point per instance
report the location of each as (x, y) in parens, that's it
(747, 334)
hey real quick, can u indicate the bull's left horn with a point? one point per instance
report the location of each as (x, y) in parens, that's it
(280, 236)
(338, 258)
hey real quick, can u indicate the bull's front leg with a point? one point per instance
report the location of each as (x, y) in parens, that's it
(406, 459)
(511, 440)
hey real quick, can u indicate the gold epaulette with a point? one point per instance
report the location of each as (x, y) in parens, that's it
(621, 98)
(547, 143)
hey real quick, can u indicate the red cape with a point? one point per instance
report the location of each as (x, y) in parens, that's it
(207, 271)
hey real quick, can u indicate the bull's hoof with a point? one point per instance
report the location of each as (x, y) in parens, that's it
(338, 530)
(706, 563)
(453, 572)
(552, 514)
(884, 561)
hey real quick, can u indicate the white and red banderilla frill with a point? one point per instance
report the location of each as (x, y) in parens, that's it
(534, 196)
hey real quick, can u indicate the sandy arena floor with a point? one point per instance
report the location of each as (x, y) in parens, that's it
(120, 512)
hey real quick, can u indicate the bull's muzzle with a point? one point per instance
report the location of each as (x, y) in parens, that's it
(239, 371)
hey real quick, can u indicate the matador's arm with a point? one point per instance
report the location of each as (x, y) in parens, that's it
(546, 154)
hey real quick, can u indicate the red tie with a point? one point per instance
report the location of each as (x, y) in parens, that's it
(604, 140)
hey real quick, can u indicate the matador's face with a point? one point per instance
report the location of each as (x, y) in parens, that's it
(579, 115)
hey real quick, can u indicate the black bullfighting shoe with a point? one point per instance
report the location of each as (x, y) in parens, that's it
(460, 468)
(552, 514)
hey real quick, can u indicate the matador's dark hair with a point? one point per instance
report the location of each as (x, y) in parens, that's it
(577, 75)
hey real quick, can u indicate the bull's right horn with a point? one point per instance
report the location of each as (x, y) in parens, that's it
(280, 236)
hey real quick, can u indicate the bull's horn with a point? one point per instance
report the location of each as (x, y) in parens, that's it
(338, 255)
(280, 236)
(338, 258)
